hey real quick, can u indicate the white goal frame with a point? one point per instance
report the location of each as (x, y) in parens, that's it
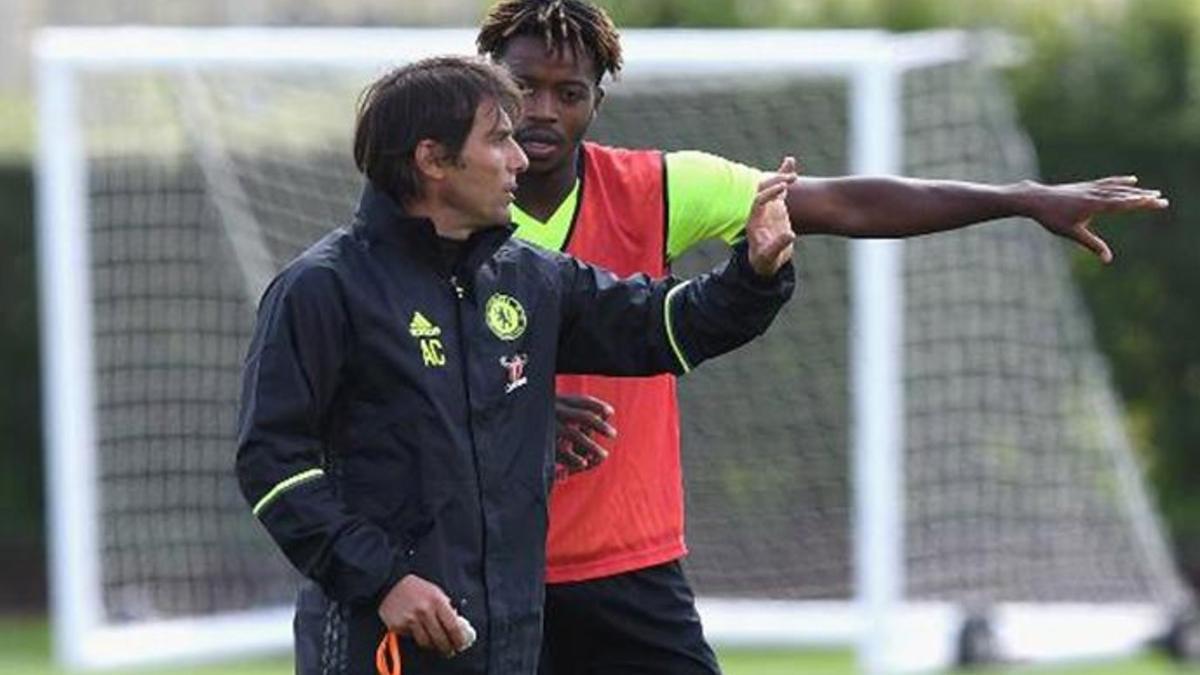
(872, 64)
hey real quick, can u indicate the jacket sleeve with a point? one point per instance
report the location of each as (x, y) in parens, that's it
(289, 381)
(637, 326)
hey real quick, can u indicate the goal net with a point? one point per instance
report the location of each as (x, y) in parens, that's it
(927, 435)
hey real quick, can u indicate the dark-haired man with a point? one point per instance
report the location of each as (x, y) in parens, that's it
(617, 600)
(396, 423)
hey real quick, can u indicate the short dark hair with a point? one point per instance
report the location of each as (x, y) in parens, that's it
(435, 99)
(561, 24)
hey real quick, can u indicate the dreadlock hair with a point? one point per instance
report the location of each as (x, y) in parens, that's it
(562, 24)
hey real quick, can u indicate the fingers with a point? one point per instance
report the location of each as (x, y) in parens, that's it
(598, 406)
(776, 184)
(576, 451)
(584, 419)
(769, 229)
(1090, 240)
(1119, 194)
(1117, 180)
(773, 250)
(1134, 201)
(578, 418)
(1122, 190)
(775, 180)
(770, 235)
(429, 618)
(587, 412)
(582, 444)
(567, 457)
(448, 619)
(420, 636)
(785, 174)
(587, 448)
(418, 608)
(766, 195)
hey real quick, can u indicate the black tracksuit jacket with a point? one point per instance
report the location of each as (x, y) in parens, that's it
(397, 417)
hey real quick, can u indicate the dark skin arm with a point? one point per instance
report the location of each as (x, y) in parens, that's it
(865, 207)
(894, 207)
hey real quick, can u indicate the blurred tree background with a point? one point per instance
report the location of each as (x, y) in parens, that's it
(1104, 87)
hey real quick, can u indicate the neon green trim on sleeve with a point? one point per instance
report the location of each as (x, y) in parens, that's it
(552, 234)
(284, 486)
(709, 197)
(671, 331)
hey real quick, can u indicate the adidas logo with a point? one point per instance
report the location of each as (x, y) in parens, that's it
(420, 327)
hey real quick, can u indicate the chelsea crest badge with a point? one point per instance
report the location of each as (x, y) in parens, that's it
(505, 317)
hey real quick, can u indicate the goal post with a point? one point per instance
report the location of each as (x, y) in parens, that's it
(938, 438)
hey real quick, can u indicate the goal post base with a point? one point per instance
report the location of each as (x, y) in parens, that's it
(182, 641)
(932, 635)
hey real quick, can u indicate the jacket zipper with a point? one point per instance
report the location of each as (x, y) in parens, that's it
(461, 295)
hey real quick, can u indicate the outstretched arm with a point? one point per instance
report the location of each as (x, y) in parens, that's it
(904, 207)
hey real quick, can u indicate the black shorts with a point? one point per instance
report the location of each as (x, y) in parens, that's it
(638, 623)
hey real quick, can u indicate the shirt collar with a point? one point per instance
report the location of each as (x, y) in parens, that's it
(381, 219)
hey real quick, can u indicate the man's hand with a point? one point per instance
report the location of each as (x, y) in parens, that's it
(578, 418)
(1067, 210)
(769, 230)
(420, 609)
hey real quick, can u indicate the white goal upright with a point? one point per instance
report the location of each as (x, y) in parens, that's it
(923, 459)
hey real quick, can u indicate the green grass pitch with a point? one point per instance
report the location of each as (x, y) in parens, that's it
(25, 649)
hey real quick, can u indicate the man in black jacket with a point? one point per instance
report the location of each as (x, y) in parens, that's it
(397, 412)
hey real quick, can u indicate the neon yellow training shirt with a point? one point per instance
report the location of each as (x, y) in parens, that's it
(708, 197)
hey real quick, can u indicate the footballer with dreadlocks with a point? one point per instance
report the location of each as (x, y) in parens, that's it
(616, 597)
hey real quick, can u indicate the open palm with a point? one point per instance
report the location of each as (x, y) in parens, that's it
(769, 229)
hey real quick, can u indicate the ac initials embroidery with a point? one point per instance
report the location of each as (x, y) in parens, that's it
(428, 337)
(431, 352)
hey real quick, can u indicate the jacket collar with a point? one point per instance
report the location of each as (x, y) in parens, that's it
(381, 219)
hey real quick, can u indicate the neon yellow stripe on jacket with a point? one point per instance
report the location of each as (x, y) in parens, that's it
(687, 368)
(284, 486)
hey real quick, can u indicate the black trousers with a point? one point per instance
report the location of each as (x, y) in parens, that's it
(332, 638)
(638, 623)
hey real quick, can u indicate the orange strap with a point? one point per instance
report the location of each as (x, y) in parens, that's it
(387, 656)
